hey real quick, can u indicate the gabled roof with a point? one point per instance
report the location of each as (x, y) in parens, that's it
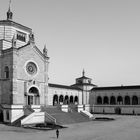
(116, 88)
(63, 86)
(36, 48)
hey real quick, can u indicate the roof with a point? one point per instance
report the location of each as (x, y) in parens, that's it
(36, 48)
(116, 88)
(63, 86)
(15, 24)
(81, 84)
(83, 77)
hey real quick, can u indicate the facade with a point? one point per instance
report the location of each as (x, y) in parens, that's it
(23, 70)
(116, 100)
(24, 81)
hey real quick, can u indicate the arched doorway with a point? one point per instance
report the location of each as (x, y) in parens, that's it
(99, 100)
(61, 99)
(112, 100)
(55, 99)
(71, 99)
(106, 101)
(33, 96)
(119, 100)
(127, 100)
(118, 110)
(66, 101)
(76, 100)
(134, 100)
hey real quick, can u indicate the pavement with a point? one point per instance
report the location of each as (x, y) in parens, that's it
(122, 128)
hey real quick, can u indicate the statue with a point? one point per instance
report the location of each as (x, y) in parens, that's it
(45, 51)
(14, 41)
(31, 37)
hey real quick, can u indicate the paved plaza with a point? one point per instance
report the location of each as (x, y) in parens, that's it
(123, 128)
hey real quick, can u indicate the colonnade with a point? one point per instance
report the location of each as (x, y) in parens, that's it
(113, 100)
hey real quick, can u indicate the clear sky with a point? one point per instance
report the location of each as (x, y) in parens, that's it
(101, 36)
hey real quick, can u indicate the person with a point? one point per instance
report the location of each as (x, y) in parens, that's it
(57, 133)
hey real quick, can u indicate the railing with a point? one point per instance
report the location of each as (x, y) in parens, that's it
(87, 114)
(17, 117)
(50, 117)
(35, 117)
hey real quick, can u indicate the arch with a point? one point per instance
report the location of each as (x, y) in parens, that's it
(61, 99)
(105, 100)
(99, 100)
(71, 99)
(55, 99)
(127, 100)
(76, 100)
(32, 97)
(66, 100)
(34, 90)
(134, 100)
(112, 100)
(6, 71)
(119, 100)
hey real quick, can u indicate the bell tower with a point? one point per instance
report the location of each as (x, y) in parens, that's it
(86, 85)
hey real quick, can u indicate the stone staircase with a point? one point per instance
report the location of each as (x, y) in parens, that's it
(63, 118)
(27, 111)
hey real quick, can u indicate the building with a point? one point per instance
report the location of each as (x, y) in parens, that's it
(24, 69)
(24, 81)
(116, 100)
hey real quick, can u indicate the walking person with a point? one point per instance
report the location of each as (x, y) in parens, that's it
(57, 133)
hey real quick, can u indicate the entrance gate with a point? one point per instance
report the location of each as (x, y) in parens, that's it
(118, 110)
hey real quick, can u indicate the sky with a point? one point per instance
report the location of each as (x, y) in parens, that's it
(100, 36)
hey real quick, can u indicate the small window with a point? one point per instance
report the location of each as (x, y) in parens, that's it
(21, 36)
(6, 70)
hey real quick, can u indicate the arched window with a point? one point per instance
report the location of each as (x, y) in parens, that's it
(106, 101)
(127, 100)
(134, 100)
(112, 100)
(99, 100)
(6, 71)
(120, 100)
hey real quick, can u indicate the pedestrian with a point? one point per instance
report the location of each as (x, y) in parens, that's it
(57, 133)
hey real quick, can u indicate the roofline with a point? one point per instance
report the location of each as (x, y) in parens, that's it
(63, 86)
(14, 24)
(117, 87)
(78, 84)
(36, 48)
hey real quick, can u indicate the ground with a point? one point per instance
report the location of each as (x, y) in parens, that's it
(122, 128)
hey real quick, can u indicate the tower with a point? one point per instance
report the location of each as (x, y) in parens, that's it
(85, 84)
